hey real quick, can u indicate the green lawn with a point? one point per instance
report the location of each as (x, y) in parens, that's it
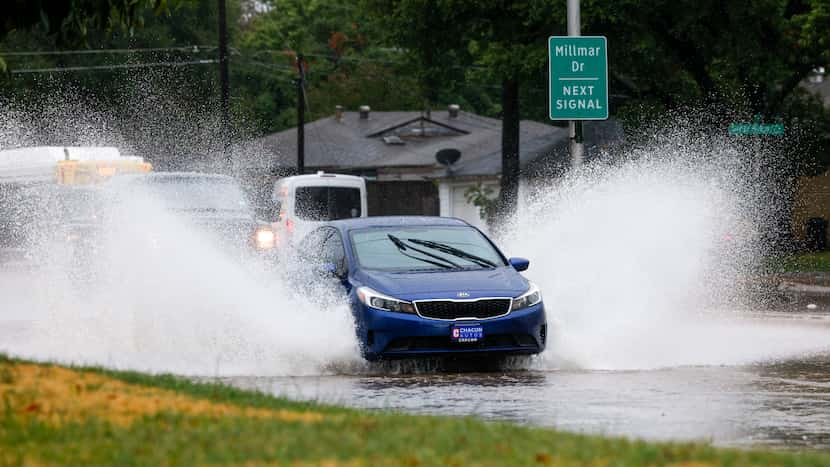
(54, 415)
(805, 262)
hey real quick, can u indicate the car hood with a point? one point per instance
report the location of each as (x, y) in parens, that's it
(208, 215)
(228, 228)
(498, 282)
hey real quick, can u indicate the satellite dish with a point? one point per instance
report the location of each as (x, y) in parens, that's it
(448, 157)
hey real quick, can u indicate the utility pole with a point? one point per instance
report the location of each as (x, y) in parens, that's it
(300, 114)
(576, 146)
(224, 79)
(510, 161)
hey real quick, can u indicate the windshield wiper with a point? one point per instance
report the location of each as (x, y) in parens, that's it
(451, 250)
(441, 262)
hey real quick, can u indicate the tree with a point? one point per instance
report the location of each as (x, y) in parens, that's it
(741, 58)
(70, 22)
(347, 64)
(149, 109)
(447, 37)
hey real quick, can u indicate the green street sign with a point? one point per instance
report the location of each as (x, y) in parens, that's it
(757, 128)
(578, 77)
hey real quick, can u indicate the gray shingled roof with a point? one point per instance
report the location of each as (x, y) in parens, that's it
(532, 145)
(346, 145)
(540, 154)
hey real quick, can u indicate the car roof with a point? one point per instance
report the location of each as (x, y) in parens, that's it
(183, 175)
(395, 221)
(319, 176)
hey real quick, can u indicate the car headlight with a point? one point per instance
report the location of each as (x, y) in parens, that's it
(375, 299)
(529, 298)
(264, 238)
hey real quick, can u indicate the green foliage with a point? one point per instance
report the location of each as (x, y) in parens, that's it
(343, 49)
(818, 262)
(72, 21)
(482, 197)
(311, 26)
(737, 58)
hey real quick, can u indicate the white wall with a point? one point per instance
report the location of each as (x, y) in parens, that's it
(454, 204)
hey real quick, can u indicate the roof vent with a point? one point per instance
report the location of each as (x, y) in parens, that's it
(364, 112)
(338, 112)
(393, 139)
(453, 110)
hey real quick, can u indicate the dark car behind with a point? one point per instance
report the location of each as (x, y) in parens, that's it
(216, 204)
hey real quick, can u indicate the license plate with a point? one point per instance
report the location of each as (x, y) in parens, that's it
(467, 333)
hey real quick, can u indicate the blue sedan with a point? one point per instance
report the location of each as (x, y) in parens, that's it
(429, 286)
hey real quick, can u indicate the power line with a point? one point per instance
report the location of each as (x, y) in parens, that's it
(346, 58)
(210, 48)
(115, 67)
(187, 48)
(244, 54)
(271, 66)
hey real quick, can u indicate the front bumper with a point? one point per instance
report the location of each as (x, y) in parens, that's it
(391, 335)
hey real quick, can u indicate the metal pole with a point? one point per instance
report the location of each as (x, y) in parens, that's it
(300, 114)
(576, 148)
(224, 79)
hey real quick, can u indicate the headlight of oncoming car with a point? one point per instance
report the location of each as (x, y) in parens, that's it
(529, 298)
(375, 299)
(264, 238)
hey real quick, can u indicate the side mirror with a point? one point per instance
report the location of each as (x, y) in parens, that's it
(519, 264)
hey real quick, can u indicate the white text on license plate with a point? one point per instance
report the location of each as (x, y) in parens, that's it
(472, 333)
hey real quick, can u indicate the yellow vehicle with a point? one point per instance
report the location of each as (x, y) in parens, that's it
(73, 172)
(66, 165)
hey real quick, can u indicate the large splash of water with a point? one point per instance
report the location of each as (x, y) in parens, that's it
(163, 297)
(644, 262)
(632, 258)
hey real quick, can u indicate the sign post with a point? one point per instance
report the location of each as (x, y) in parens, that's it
(756, 127)
(578, 80)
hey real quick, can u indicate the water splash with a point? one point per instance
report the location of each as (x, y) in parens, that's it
(166, 299)
(163, 297)
(642, 261)
(632, 258)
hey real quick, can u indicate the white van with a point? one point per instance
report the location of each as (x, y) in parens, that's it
(306, 201)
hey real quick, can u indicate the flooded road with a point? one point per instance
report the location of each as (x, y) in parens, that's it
(781, 404)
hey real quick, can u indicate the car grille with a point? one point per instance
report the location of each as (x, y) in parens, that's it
(494, 341)
(450, 309)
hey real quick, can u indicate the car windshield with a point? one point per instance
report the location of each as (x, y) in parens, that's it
(198, 193)
(322, 203)
(424, 248)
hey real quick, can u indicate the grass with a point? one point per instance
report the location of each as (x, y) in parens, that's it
(92, 416)
(806, 262)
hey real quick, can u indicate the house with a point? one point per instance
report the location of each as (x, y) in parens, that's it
(396, 153)
(812, 194)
